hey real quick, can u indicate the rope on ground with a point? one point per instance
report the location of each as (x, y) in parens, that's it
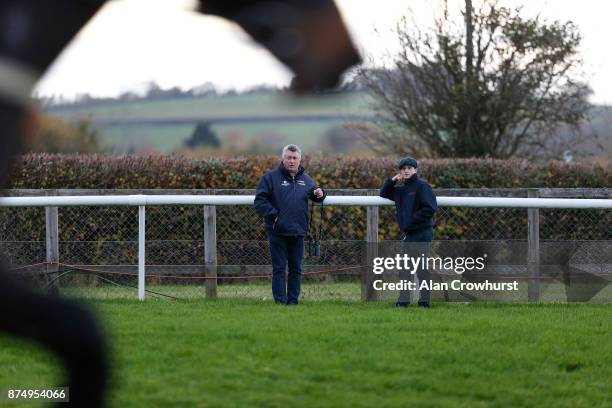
(266, 276)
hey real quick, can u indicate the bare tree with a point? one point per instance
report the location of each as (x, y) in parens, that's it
(494, 84)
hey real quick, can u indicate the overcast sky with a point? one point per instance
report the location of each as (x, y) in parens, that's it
(131, 42)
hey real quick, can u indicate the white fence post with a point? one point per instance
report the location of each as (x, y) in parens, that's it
(141, 252)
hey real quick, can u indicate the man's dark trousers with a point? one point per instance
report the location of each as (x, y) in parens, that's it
(286, 250)
(417, 244)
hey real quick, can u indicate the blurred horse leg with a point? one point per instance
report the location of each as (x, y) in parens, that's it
(66, 329)
(32, 34)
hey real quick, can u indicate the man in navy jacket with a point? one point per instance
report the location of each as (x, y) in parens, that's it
(416, 205)
(282, 200)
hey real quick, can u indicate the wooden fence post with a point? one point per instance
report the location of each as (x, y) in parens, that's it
(533, 249)
(210, 250)
(368, 294)
(52, 246)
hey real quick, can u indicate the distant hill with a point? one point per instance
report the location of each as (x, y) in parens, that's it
(165, 124)
(254, 122)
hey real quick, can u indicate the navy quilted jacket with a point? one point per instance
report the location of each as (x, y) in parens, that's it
(415, 202)
(282, 201)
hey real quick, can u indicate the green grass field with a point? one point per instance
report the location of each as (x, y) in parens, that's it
(239, 353)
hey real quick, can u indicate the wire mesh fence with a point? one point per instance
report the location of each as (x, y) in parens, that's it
(98, 251)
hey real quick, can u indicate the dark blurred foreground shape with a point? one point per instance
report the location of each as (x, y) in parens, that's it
(308, 36)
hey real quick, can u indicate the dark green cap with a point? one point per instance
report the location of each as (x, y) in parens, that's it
(407, 161)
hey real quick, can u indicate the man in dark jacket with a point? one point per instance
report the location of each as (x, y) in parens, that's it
(416, 205)
(282, 200)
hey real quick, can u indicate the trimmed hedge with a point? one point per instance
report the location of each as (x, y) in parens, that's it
(174, 234)
(177, 172)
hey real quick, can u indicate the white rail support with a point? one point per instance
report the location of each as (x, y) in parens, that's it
(141, 252)
(143, 200)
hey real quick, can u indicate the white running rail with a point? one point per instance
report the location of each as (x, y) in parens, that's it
(143, 200)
